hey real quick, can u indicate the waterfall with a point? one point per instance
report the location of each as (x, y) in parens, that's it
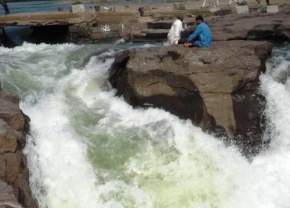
(88, 148)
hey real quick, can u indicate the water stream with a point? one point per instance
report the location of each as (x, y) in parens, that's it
(89, 149)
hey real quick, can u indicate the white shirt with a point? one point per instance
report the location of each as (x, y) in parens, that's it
(174, 33)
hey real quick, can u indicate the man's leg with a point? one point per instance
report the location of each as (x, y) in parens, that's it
(191, 44)
(182, 41)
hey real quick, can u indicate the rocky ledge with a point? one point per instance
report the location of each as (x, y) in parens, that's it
(14, 175)
(216, 88)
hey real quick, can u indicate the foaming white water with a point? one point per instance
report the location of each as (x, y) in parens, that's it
(90, 149)
(149, 158)
(62, 176)
(272, 165)
(270, 183)
(58, 158)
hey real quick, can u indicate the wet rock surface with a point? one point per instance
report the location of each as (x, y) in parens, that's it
(216, 88)
(14, 174)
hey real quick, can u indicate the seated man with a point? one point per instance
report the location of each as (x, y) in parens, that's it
(202, 36)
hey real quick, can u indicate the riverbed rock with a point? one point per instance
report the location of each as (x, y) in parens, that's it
(14, 174)
(216, 88)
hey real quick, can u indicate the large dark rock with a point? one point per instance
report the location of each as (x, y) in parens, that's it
(216, 88)
(14, 175)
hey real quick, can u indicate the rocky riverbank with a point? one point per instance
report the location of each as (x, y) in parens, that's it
(227, 26)
(14, 175)
(216, 88)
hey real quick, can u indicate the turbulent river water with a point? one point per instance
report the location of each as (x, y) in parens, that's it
(88, 148)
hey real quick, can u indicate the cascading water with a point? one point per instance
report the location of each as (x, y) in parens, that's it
(89, 148)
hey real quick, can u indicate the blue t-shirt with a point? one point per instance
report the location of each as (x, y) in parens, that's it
(202, 36)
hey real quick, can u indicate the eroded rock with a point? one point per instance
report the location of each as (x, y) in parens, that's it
(14, 175)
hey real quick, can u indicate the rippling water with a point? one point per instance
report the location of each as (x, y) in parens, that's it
(89, 148)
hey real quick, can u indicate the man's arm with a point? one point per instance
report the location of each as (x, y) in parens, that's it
(194, 34)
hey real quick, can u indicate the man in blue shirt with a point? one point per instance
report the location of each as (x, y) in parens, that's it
(202, 36)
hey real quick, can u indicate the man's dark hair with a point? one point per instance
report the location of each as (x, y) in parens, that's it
(199, 17)
(180, 18)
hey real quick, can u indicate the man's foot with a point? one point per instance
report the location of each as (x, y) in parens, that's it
(187, 45)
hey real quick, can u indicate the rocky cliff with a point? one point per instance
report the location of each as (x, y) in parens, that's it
(14, 175)
(216, 88)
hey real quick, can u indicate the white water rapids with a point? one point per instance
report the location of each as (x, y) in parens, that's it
(90, 149)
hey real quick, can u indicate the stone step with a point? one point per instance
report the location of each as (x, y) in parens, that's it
(155, 33)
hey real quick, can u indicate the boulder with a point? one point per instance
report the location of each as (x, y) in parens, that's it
(216, 88)
(14, 175)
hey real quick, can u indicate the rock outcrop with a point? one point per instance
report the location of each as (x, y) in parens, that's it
(216, 88)
(14, 175)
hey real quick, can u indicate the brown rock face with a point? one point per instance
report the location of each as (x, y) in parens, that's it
(215, 88)
(14, 175)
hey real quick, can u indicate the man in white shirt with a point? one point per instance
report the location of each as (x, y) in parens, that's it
(174, 33)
